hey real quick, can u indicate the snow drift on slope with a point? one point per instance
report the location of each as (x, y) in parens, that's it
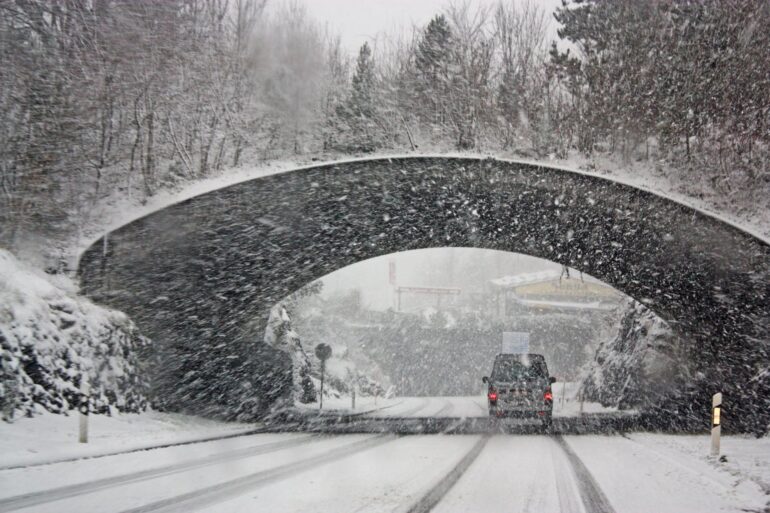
(50, 338)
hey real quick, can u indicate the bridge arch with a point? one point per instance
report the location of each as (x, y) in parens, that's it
(191, 275)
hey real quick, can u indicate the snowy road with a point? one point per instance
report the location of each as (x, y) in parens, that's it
(434, 407)
(565, 404)
(295, 472)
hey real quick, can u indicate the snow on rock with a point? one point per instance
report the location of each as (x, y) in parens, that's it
(636, 367)
(279, 334)
(50, 338)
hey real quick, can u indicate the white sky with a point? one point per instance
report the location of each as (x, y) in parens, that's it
(436, 267)
(362, 20)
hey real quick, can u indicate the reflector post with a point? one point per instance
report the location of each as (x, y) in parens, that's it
(716, 423)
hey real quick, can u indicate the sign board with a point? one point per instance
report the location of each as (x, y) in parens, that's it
(323, 352)
(515, 342)
(440, 291)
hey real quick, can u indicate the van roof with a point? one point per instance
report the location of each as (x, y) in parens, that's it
(513, 356)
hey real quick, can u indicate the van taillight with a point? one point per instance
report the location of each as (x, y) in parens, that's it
(548, 395)
(492, 394)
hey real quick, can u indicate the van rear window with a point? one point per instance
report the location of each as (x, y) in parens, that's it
(516, 370)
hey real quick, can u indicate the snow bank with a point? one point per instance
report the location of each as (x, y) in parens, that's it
(49, 438)
(744, 457)
(50, 338)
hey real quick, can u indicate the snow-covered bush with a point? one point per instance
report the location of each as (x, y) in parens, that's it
(51, 338)
(341, 369)
(342, 373)
(639, 365)
(280, 335)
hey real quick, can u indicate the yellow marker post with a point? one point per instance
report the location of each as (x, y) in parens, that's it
(716, 423)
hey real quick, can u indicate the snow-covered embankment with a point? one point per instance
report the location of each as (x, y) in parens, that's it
(50, 338)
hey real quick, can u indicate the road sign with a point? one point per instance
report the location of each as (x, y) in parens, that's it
(515, 342)
(439, 291)
(323, 352)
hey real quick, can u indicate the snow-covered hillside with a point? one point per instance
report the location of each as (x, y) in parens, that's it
(638, 365)
(50, 338)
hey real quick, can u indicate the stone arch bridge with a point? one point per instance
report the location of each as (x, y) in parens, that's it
(199, 275)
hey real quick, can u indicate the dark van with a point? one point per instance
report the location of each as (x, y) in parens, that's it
(520, 387)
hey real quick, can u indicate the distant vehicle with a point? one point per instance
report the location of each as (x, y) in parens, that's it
(520, 387)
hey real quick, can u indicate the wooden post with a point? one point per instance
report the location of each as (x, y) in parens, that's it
(321, 400)
(323, 352)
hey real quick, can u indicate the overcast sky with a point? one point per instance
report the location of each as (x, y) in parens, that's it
(362, 20)
(466, 268)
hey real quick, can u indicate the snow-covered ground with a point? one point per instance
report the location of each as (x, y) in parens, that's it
(745, 457)
(295, 472)
(48, 437)
(675, 474)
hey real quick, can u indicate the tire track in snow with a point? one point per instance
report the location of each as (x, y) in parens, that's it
(219, 492)
(64, 492)
(428, 501)
(566, 487)
(594, 500)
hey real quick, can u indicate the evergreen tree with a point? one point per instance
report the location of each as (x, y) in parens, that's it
(362, 95)
(432, 63)
(360, 130)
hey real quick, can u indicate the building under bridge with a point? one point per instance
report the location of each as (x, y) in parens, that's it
(551, 291)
